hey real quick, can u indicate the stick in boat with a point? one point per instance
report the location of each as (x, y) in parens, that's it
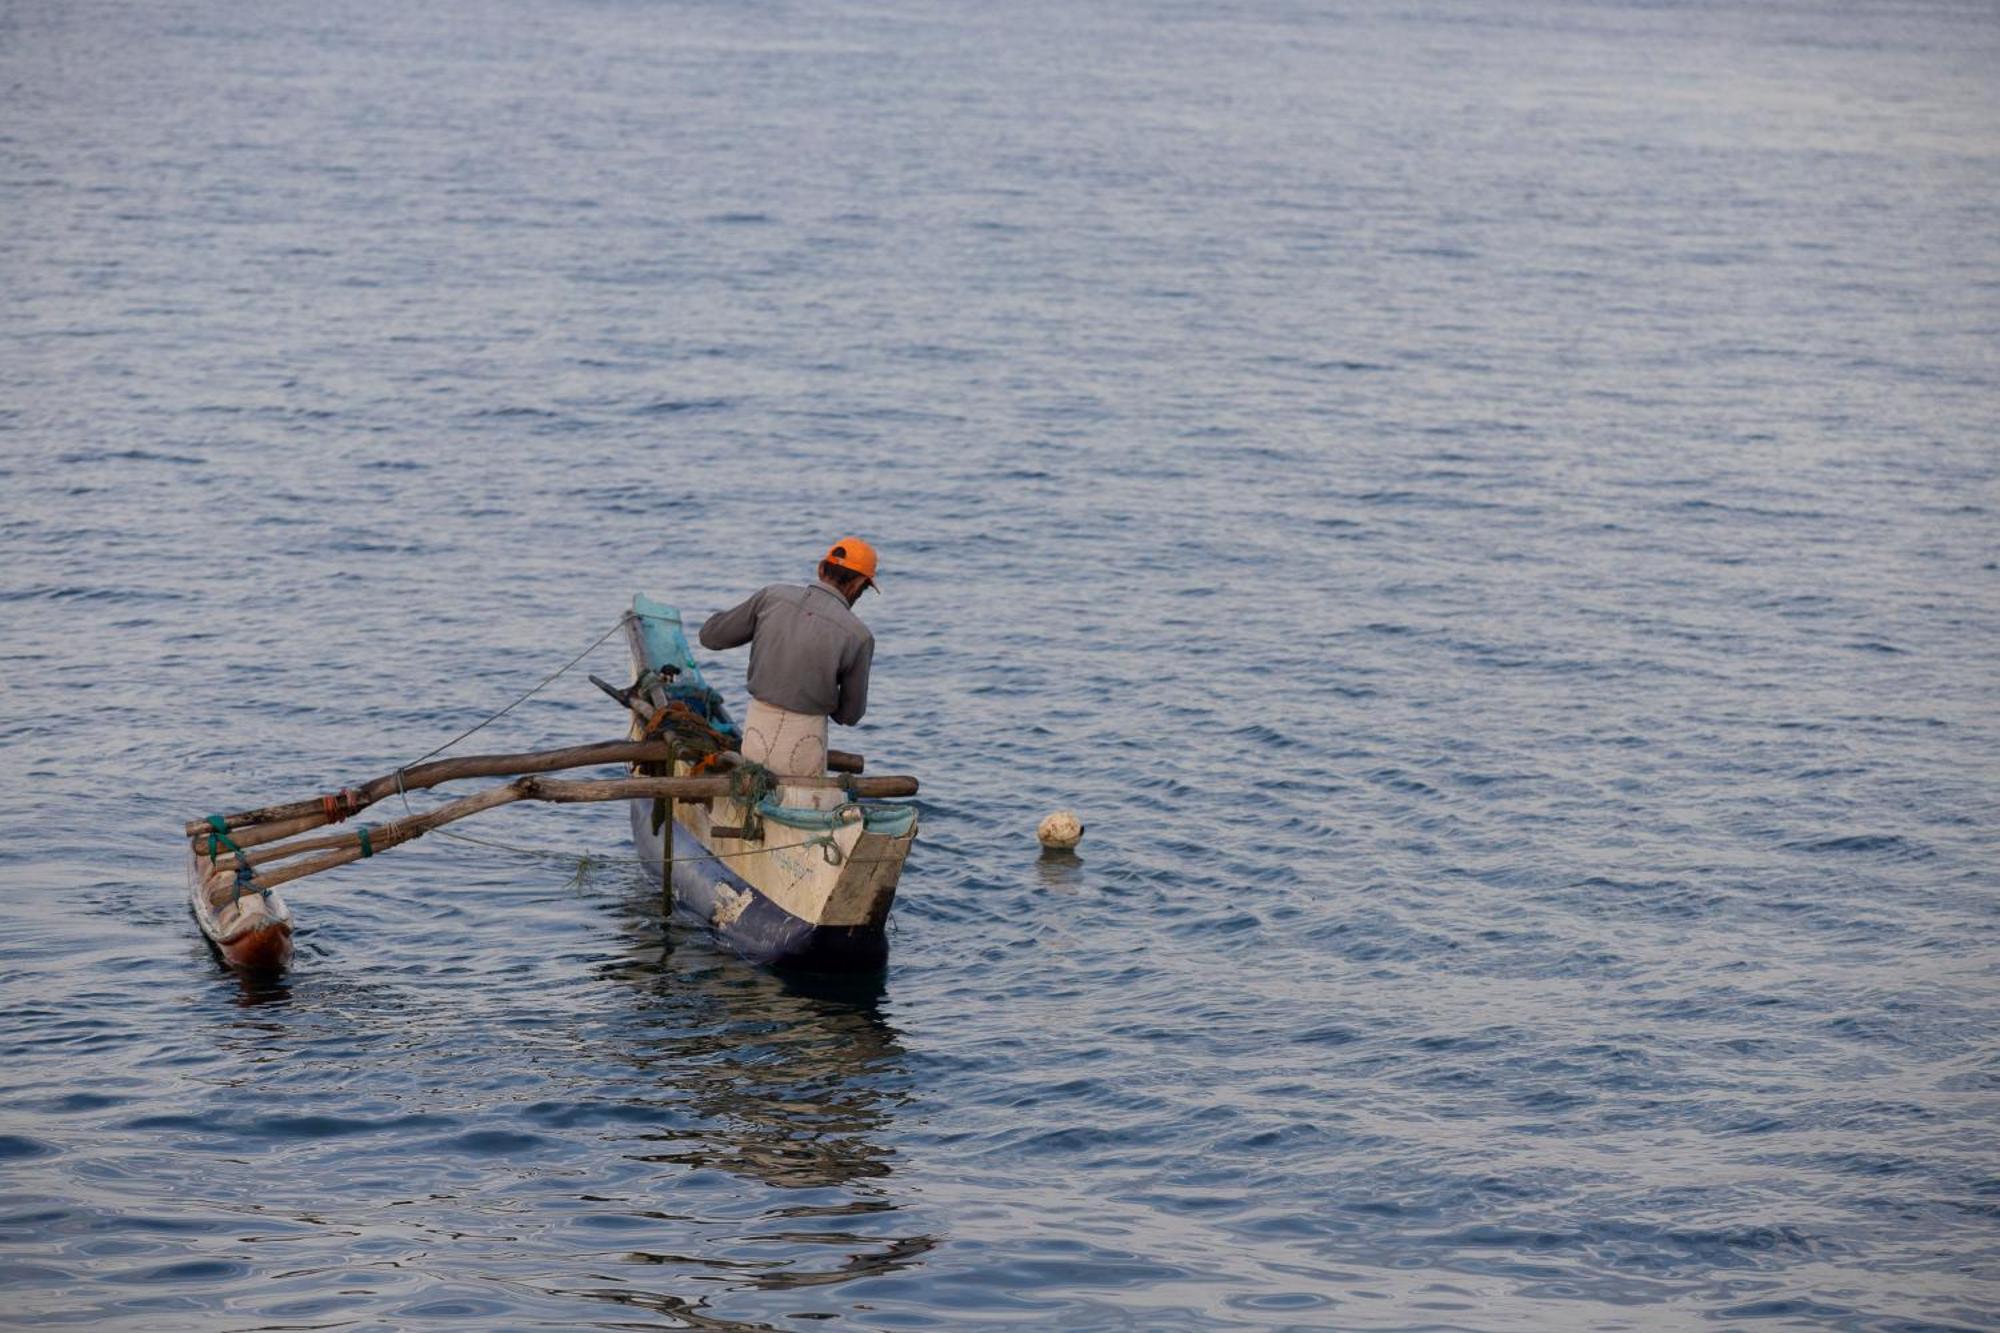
(667, 856)
(272, 822)
(298, 816)
(353, 845)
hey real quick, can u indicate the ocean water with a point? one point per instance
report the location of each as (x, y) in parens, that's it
(1486, 510)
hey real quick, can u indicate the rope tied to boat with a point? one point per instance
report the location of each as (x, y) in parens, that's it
(750, 783)
(403, 795)
(367, 846)
(219, 839)
(246, 878)
(546, 681)
(339, 806)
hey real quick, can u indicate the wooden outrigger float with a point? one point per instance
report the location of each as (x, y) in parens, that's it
(800, 874)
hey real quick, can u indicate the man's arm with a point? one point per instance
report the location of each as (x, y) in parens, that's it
(854, 685)
(732, 628)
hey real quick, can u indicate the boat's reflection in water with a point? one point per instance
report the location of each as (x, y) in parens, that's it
(784, 1082)
(727, 1134)
(255, 992)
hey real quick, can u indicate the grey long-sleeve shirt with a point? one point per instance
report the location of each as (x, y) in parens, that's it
(809, 652)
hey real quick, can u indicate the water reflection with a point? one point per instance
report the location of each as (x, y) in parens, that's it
(787, 1082)
(792, 1080)
(254, 992)
(726, 1135)
(680, 1312)
(1059, 870)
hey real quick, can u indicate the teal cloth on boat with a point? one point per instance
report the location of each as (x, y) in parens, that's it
(890, 821)
(666, 645)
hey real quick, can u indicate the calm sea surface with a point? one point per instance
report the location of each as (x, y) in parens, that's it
(1486, 509)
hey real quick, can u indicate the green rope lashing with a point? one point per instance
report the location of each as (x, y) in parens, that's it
(749, 783)
(367, 847)
(245, 877)
(219, 837)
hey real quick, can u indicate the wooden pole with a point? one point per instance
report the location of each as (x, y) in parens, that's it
(257, 834)
(668, 807)
(348, 846)
(667, 859)
(298, 816)
(439, 771)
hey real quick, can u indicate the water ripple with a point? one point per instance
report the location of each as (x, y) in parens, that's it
(1481, 512)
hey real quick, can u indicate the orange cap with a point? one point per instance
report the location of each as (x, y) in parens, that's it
(855, 554)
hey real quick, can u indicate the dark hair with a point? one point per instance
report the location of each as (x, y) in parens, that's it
(840, 575)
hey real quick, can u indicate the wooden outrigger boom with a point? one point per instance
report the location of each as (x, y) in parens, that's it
(351, 800)
(358, 844)
(235, 860)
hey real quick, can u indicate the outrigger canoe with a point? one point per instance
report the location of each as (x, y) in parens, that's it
(795, 873)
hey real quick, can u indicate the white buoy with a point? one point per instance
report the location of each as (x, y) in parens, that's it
(1060, 831)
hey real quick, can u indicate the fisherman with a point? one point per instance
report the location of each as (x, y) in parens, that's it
(809, 659)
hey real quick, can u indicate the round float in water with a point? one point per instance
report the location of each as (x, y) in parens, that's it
(1060, 831)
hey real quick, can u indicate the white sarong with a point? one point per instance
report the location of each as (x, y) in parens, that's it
(791, 745)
